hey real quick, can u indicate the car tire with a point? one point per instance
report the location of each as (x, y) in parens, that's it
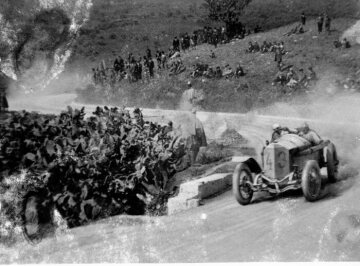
(331, 165)
(37, 216)
(242, 191)
(311, 181)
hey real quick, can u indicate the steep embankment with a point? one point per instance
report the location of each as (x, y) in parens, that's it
(119, 27)
(255, 89)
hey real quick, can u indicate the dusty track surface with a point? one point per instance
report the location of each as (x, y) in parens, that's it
(283, 229)
(270, 229)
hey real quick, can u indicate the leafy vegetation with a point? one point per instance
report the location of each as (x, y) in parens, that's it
(107, 164)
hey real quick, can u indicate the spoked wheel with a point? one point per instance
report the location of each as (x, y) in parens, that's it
(311, 181)
(242, 179)
(37, 216)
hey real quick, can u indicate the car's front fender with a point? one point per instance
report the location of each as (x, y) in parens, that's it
(251, 163)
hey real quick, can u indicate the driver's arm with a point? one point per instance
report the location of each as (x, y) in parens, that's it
(315, 137)
(290, 131)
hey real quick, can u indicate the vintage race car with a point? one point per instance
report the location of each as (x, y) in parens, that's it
(290, 163)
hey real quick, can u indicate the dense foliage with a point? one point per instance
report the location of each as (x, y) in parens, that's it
(226, 10)
(106, 164)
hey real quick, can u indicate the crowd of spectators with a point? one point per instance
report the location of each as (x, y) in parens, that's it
(130, 69)
(144, 68)
(287, 76)
(265, 47)
(206, 71)
(344, 44)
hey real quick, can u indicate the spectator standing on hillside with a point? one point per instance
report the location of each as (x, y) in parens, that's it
(158, 58)
(320, 23)
(187, 41)
(194, 97)
(3, 101)
(151, 66)
(163, 59)
(198, 138)
(278, 54)
(94, 76)
(194, 39)
(148, 53)
(138, 71)
(5, 82)
(176, 44)
(303, 19)
(119, 64)
(328, 24)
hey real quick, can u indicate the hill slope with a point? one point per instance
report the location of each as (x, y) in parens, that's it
(119, 27)
(255, 89)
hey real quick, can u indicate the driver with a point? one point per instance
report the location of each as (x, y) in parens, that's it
(309, 134)
(278, 131)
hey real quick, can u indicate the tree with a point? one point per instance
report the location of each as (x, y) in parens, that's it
(226, 10)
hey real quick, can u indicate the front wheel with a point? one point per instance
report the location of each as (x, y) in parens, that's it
(311, 181)
(37, 216)
(242, 179)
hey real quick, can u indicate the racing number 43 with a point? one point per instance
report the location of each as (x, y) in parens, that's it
(280, 160)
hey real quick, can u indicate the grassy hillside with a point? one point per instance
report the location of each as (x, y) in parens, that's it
(276, 13)
(304, 50)
(120, 26)
(255, 89)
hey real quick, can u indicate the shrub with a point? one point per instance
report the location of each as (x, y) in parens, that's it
(107, 164)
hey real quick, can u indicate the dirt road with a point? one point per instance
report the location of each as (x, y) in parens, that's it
(282, 229)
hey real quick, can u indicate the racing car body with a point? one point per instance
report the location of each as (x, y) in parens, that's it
(290, 163)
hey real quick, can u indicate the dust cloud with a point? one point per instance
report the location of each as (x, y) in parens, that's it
(335, 116)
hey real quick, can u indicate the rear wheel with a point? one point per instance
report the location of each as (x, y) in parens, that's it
(241, 188)
(37, 216)
(311, 181)
(331, 163)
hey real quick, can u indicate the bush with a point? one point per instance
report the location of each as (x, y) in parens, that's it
(107, 164)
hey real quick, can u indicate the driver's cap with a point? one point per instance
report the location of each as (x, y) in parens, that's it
(276, 126)
(306, 126)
